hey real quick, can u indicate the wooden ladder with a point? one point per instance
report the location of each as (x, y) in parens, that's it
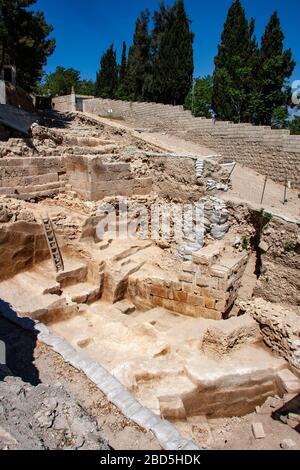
(52, 243)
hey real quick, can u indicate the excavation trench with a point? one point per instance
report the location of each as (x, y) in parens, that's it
(155, 323)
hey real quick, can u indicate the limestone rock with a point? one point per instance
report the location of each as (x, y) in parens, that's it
(287, 444)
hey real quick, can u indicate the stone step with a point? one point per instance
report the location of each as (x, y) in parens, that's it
(39, 306)
(29, 180)
(74, 272)
(86, 141)
(82, 293)
(43, 190)
(288, 382)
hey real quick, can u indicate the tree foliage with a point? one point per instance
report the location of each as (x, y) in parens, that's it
(250, 82)
(138, 76)
(24, 40)
(172, 47)
(62, 81)
(275, 67)
(160, 63)
(294, 125)
(234, 65)
(121, 90)
(199, 99)
(107, 77)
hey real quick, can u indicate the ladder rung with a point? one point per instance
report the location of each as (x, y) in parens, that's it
(52, 242)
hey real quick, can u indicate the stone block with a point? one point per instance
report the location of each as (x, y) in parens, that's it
(181, 296)
(159, 291)
(189, 267)
(206, 256)
(288, 381)
(218, 294)
(186, 277)
(187, 287)
(258, 431)
(195, 300)
(172, 407)
(220, 305)
(209, 303)
(202, 280)
(219, 271)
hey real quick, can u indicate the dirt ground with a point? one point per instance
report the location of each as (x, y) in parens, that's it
(36, 363)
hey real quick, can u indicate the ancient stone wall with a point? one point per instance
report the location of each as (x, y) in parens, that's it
(271, 152)
(280, 329)
(280, 258)
(31, 175)
(275, 161)
(207, 287)
(93, 179)
(63, 103)
(18, 97)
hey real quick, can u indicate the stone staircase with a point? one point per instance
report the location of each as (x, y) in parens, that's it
(177, 119)
(266, 150)
(36, 168)
(31, 177)
(42, 294)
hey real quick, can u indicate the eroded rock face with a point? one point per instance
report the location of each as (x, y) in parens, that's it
(44, 418)
(12, 210)
(21, 244)
(279, 326)
(224, 337)
(280, 281)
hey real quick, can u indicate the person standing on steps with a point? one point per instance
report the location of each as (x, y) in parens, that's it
(213, 117)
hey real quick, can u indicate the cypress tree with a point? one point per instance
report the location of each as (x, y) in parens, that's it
(234, 65)
(276, 66)
(123, 66)
(138, 73)
(173, 61)
(107, 77)
(121, 91)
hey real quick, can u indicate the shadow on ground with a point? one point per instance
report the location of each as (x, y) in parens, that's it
(290, 408)
(19, 346)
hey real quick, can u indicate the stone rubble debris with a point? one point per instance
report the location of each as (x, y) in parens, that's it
(211, 185)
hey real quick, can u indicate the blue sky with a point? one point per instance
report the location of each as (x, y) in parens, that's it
(85, 28)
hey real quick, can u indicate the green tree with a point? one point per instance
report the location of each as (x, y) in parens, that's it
(172, 54)
(59, 82)
(295, 125)
(275, 66)
(121, 91)
(85, 87)
(62, 81)
(138, 76)
(199, 99)
(234, 66)
(24, 40)
(107, 77)
(279, 118)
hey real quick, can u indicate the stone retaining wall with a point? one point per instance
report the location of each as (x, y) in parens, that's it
(275, 153)
(63, 103)
(93, 179)
(32, 176)
(280, 329)
(207, 287)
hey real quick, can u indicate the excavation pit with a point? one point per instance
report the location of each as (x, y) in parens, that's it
(163, 316)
